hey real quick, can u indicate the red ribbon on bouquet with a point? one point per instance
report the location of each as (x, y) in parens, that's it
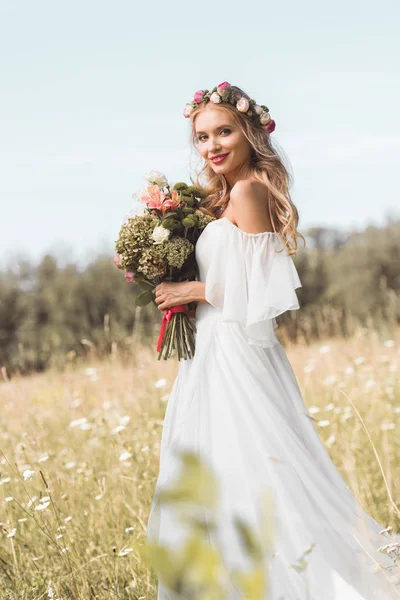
(167, 317)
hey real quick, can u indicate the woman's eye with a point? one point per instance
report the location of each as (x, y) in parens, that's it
(202, 136)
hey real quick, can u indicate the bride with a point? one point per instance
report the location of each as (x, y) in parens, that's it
(237, 403)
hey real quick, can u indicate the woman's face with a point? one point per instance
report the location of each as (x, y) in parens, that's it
(217, 133)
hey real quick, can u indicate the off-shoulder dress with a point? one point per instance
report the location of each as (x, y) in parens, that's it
(238, 406)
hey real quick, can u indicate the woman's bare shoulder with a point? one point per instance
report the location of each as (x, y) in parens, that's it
(250, 187)
(249, 201)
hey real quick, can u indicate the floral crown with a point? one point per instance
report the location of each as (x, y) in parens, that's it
(224, 92)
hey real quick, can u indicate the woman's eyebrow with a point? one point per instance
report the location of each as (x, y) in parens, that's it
(219, 127)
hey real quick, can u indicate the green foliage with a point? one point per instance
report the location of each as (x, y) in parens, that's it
(49, 313)
(197, 570)
(144, 298)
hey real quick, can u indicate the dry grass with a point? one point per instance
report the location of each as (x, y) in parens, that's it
(93, 432)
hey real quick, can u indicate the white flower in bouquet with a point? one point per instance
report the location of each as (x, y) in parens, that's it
(160, 234)
(156, 178)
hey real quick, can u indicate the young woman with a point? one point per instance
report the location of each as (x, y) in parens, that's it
(237, 403)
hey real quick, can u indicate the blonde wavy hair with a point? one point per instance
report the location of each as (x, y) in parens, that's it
(265, 165)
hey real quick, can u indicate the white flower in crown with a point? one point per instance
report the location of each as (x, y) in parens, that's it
(258, 109)
(156, 178)
(265, 118)
(243, 104)
(215, 97)
(187, 110)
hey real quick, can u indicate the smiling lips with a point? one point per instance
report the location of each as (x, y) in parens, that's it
(219, 158)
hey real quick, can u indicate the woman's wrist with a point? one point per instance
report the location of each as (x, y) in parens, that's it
(197, 291)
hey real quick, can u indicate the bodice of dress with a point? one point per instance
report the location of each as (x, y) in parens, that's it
(249, 279)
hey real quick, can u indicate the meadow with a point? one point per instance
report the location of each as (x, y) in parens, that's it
(79, 452)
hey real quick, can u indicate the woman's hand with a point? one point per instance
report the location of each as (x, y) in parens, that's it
(171, 293)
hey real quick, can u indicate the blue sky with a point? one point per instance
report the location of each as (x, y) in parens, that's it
(92, 95)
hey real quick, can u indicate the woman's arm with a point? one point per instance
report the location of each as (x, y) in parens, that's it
(198, 291)
(169, 293)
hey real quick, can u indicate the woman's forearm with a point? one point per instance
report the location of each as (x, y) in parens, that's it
(197, 291)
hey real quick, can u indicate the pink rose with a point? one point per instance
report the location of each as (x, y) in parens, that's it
(243, 104)
(265, 118)
(117, 261)
(215, 97)
(198, 97)
(271, 126)
(222, 87)
(129, 277)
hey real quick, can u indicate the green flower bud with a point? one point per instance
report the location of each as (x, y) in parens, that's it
(170, 223)
(190, 221)
(180, 186)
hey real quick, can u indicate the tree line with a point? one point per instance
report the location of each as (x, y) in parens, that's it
(50, 314)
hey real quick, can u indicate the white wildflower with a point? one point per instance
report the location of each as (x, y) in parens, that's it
(160, 383)
(28, 474)
(387, 426)
(389, 343)
(330, 441)
(77, 422)
(325, 349)
(42, 505)
(125, 551)
(125, 455)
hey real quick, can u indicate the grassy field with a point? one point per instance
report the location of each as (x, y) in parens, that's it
(79, 455)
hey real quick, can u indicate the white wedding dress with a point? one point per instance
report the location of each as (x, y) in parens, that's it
(238, 406)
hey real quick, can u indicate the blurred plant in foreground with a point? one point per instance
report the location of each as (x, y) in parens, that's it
(197, 570)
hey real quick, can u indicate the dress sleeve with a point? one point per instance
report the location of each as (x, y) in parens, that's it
(253, 280)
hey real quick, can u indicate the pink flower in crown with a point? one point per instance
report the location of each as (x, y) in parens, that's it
(243, 104)
(129, 277)
(222, 87)
(171, 203)
(198, 97)
(271, 126)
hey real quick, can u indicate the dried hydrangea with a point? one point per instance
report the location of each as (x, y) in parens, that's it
(177, 251)
(203, 220)
(152, 261)
(135, 235)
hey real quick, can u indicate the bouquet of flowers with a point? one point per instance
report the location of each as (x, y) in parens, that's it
(156, 243)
